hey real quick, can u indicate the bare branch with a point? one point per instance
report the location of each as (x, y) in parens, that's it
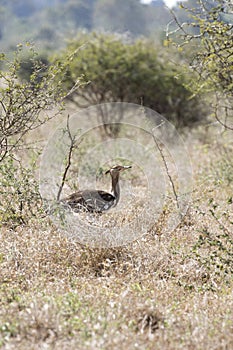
(73, 144)
(216, 107)
(22, 104)
(167, 171)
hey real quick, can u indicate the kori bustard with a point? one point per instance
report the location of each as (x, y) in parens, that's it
(97, 201)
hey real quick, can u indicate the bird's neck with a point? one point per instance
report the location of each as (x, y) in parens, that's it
(116, 188)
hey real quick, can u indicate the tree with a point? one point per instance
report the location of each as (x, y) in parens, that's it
(212, 59)
(23, 108)
(124, 71)
(22, 103)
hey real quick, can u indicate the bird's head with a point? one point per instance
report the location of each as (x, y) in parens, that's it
(116, 169)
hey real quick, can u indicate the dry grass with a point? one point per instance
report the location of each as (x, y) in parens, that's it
(167, 291)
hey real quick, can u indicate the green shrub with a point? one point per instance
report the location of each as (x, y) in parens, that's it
(23, 108)
(19, 193)
(136, 72)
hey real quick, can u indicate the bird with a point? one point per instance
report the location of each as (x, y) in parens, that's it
(97, 201)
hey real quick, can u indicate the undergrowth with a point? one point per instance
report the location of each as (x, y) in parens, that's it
(170, 290)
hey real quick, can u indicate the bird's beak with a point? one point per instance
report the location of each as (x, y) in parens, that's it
(127, 167)
(106, 172)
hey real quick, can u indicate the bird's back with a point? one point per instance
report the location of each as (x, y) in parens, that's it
(90, 200)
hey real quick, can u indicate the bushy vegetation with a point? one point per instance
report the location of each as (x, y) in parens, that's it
(167, 290)
(154, 292)
(123, 71)
(24, 107)
(23, 102)
(19, 192)
(209, 30)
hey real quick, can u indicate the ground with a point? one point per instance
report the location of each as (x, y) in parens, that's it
(164, 291)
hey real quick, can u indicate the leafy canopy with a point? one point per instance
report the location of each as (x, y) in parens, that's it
(210, 30)
(119, 69)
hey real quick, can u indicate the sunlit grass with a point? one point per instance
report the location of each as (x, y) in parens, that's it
(166, 290)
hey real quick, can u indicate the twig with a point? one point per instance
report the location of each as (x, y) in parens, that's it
(226, 108)
(167, 171)
(68, 163)
(180, 27)
(221, 225)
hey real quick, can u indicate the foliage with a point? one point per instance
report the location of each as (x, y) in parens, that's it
(218, 243)
(212, 59)
(30, 63)
(19, 193)
(121, 70)
(24, 106)
(114, 298)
